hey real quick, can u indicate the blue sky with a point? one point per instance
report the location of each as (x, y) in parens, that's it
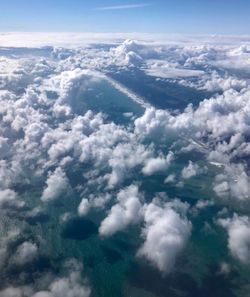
(158, 16)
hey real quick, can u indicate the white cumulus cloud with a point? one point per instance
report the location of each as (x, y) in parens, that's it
(238, 229)
(127, 211)
(165, 233)
(57, 185)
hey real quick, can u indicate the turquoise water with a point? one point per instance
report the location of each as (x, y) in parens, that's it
(102, 97)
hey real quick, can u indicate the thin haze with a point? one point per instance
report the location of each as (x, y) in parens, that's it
(126, 6)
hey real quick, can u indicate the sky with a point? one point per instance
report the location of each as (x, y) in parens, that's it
(149, 16)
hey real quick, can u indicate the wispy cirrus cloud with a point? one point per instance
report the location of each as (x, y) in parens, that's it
(124, 6)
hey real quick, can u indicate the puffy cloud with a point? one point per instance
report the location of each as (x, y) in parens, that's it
(9, 199)
(57, 185)
(233, 182)
(127, 211)
(23, 291)
(216, 83)
(236, 58)
(84, 207)
(153, 123)
(165, 232)
(125, 157)
(26, 253)
(7, 240)
(190, 170)
(170, 179)
(238, 229)
(73, 284)
(37, 141)
(127, 54)
(201, 204)
(93, 202)
(217, 118)
(218, 127)
(155, 165)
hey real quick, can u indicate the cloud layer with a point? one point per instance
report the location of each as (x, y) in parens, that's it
(128, 168)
